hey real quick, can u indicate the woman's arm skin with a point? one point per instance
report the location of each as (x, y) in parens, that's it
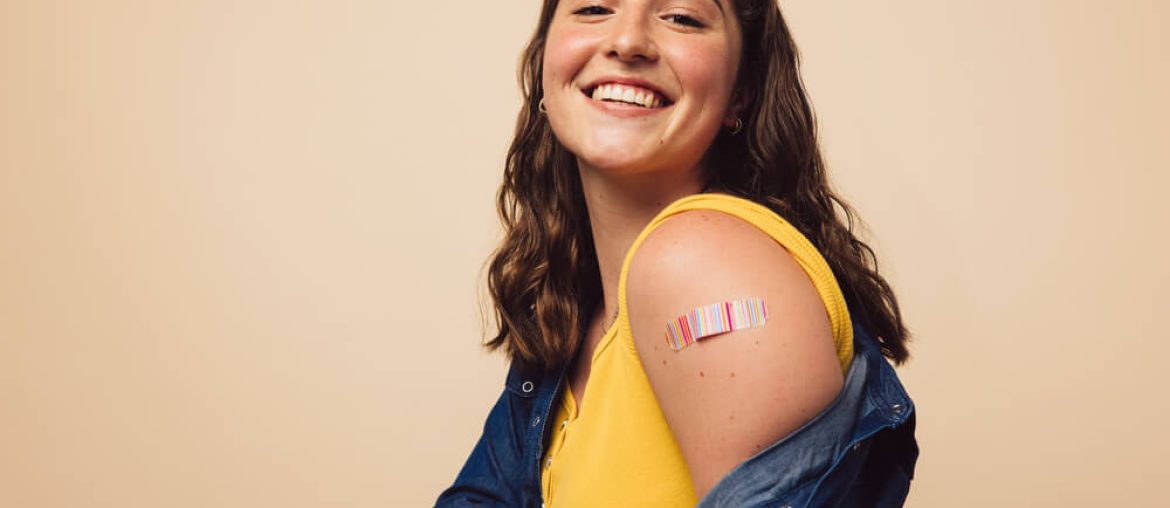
(728, 396)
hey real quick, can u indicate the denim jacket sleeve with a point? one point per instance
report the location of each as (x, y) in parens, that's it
(495, 474)
(858, 452)
(481, 482)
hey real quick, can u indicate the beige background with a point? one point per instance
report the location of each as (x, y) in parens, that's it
(241, 242)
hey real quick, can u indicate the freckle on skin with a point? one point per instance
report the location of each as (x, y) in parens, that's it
(732, 374)
(701, 374)
(664, 362)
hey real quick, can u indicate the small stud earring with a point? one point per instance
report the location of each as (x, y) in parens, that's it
(738, 126)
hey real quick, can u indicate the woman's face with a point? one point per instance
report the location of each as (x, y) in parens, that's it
(677, 59)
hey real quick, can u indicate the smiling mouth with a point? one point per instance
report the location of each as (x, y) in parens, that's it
(627, 94)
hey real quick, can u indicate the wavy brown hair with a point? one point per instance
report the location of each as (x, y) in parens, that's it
(544, 276)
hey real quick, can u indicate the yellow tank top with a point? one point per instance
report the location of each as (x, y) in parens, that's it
(621, 452)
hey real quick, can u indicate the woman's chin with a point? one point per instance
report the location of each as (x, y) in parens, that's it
(616, 164)
(618, 157)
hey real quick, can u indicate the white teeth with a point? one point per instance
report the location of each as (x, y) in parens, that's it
(628, 94)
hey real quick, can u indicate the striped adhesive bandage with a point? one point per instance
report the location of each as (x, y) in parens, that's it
(708, 320)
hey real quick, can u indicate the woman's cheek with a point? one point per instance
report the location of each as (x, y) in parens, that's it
(568, 49)
(707, 67)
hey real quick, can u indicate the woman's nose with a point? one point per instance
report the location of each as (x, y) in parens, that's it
(631, 40)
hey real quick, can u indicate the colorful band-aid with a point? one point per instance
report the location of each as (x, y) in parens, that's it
(714, 319)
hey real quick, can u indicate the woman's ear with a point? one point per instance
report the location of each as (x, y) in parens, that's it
(739, 102)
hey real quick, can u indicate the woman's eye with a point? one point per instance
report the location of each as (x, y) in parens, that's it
(592, 10)
(683, 19)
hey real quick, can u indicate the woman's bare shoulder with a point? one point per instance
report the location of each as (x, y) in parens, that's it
(727, 396)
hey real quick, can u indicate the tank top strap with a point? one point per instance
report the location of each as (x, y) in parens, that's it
(801, 249)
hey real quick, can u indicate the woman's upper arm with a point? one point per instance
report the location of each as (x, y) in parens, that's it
(728, 396)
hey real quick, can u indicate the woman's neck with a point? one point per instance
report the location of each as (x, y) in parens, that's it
(620, 206)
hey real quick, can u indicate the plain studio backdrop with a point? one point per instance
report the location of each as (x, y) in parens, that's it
(242, 243)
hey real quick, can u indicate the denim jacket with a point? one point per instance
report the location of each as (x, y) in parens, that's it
(858, 452)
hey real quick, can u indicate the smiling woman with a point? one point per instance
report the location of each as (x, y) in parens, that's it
(665, 161)
(685, 54)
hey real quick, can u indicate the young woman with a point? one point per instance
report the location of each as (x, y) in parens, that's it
(688, 318)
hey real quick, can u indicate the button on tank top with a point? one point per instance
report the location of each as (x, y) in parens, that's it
(620, 452)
